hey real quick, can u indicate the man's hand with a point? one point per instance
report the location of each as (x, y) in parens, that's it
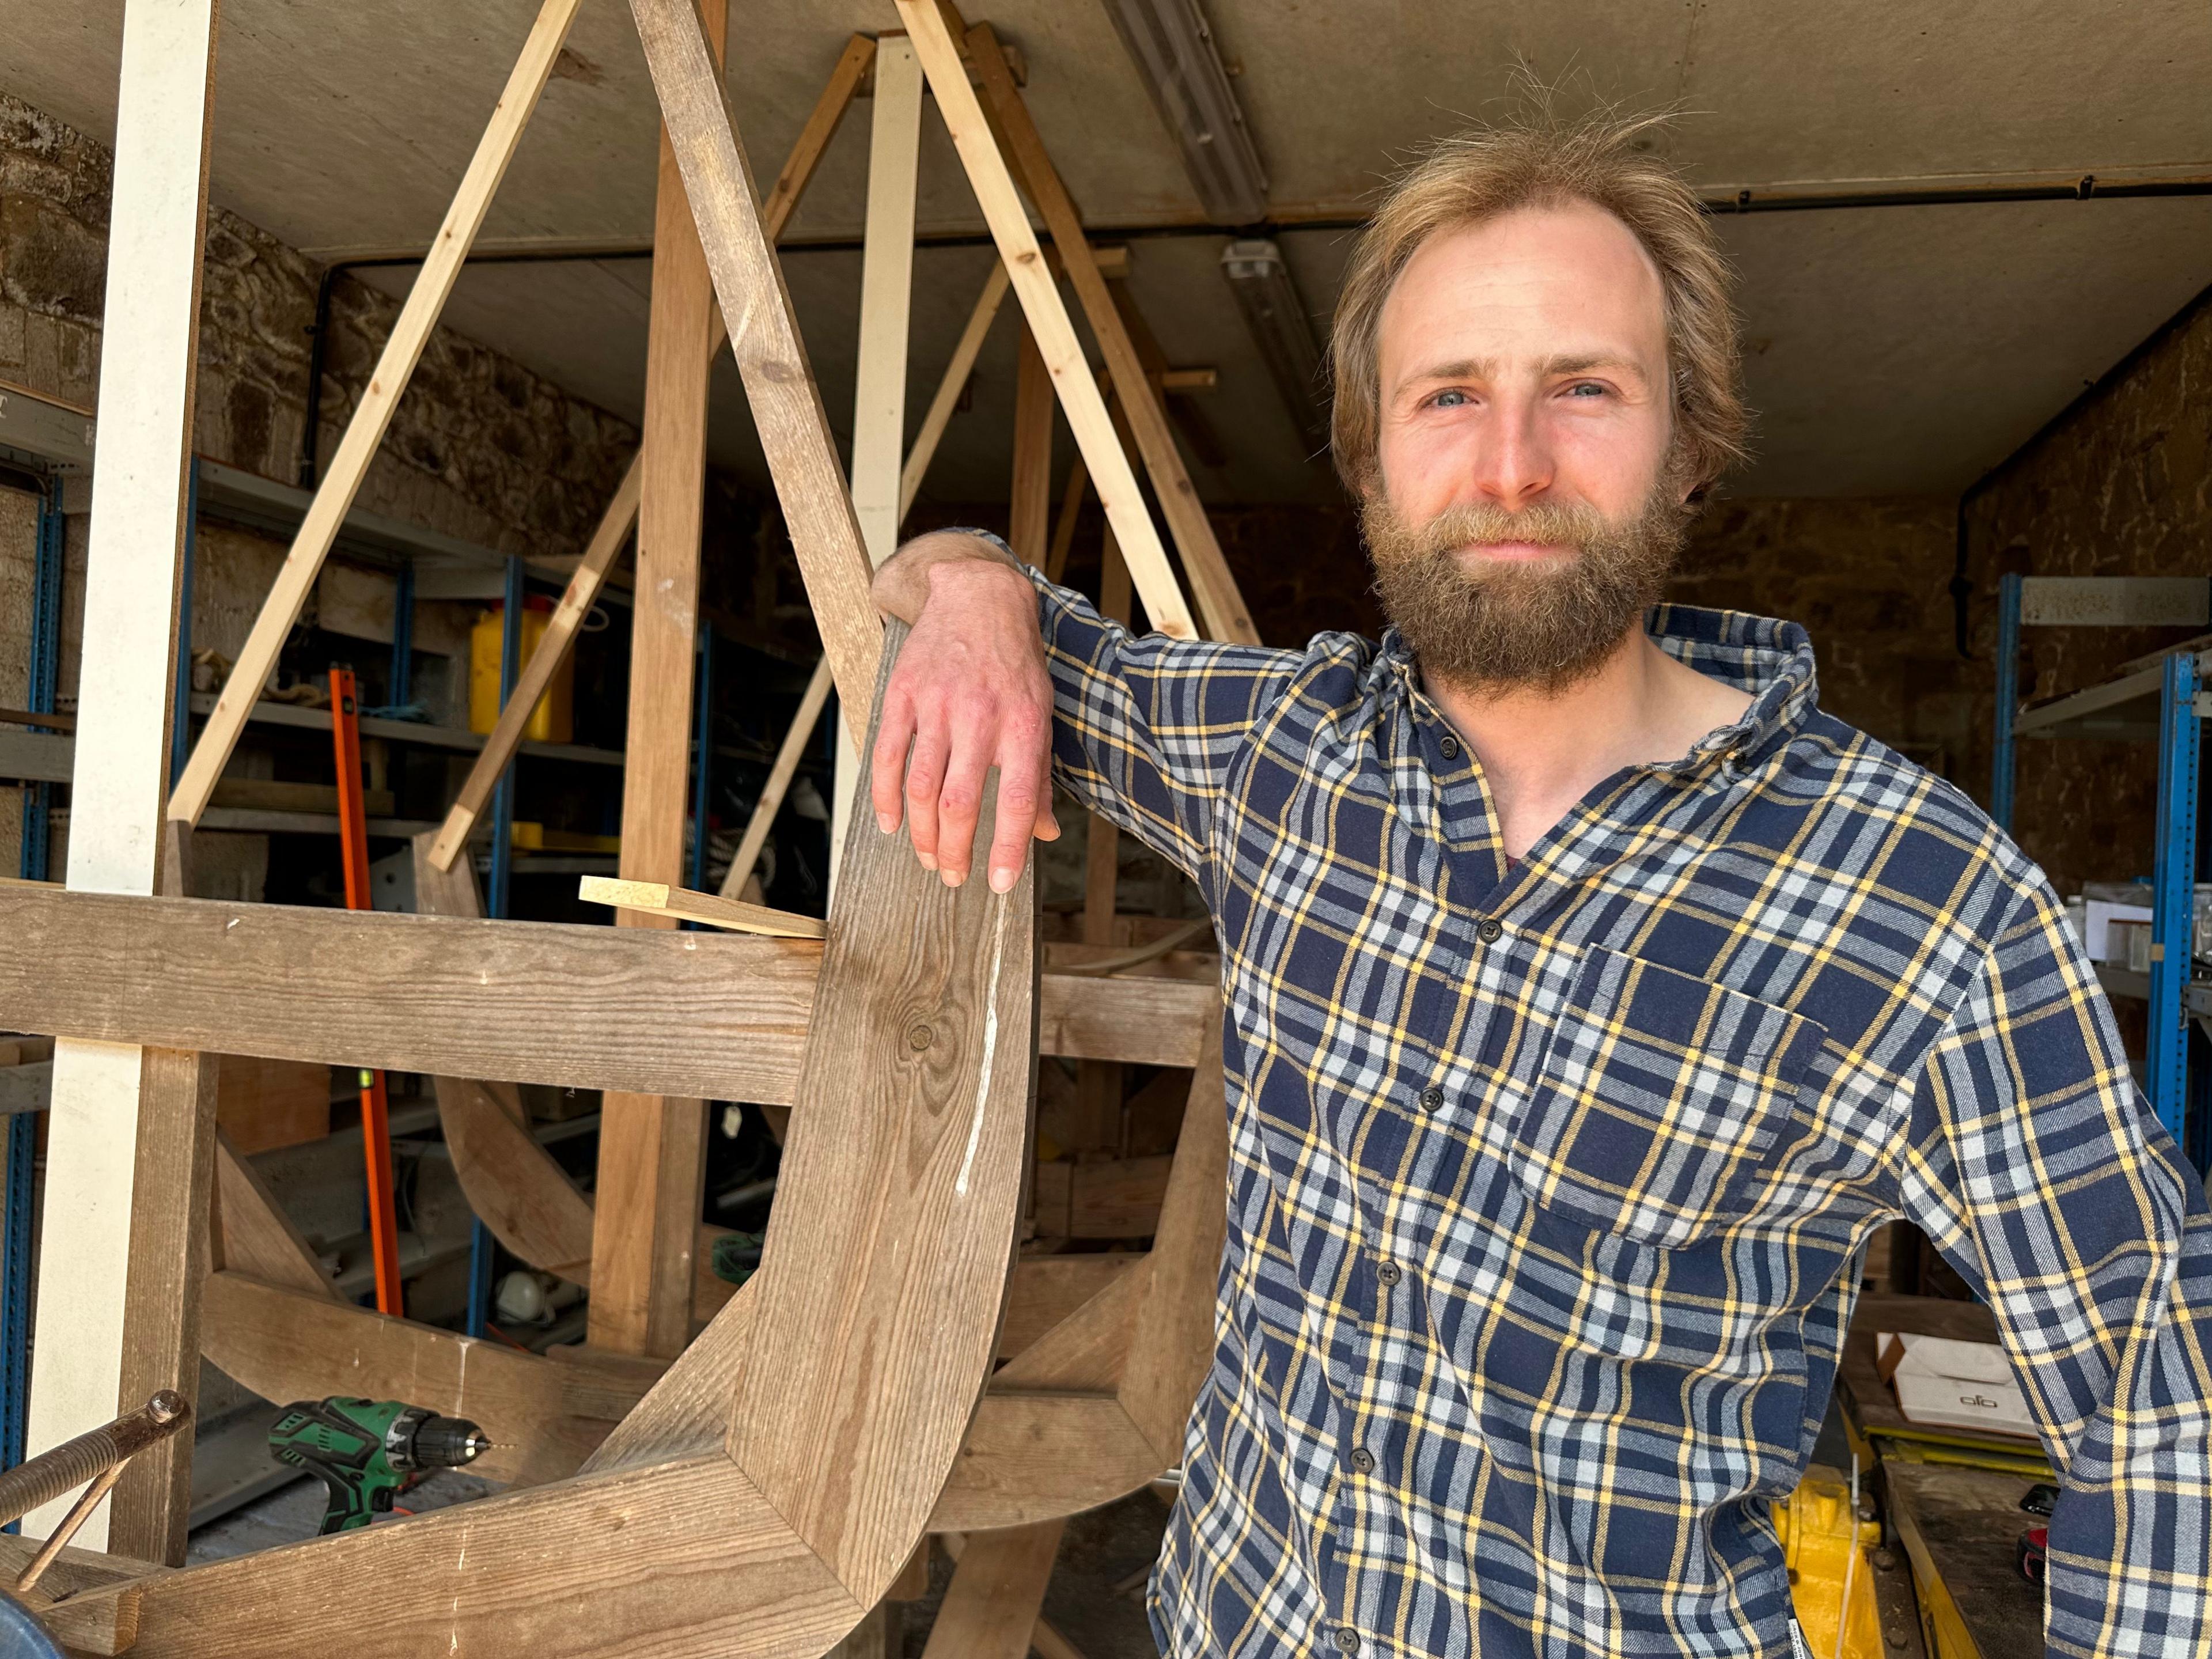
(968, 692)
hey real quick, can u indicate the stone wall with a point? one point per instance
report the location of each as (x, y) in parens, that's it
(2120, 485)
(479, 448)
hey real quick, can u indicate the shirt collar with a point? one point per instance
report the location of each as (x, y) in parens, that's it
(1764, 656)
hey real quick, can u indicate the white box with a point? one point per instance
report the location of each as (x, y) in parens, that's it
(2100, 914)
(1942, 1383)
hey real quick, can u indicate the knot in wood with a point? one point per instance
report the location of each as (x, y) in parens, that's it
(920, 1036)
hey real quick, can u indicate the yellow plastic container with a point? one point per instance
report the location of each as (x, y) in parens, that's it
(554, 718)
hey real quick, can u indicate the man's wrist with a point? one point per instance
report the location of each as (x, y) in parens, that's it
(971, 561)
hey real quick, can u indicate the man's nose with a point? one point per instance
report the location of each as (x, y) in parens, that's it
(1515, 464)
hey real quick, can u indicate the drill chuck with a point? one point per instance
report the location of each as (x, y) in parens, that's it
(443, 1443)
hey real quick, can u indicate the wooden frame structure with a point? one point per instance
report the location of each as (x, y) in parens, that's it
(753, 1489)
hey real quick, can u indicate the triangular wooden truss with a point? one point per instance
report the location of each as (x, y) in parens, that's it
(757, 1495)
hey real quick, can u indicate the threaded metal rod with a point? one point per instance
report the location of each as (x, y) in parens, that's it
(73, 1464)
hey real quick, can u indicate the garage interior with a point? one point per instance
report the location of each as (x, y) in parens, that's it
(1974, 251)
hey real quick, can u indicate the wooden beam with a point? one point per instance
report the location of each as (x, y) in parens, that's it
(253, 1234)
(126, 1128)
(917, 1081)
(652, 1148)
(880, 369)
(608, 540)
(348, 466)
(886, 296)
(795, 435)
(720, 1017)
(658, 898)
(1048, 318)
(1173, 1346)
(1215, 588)
(996, 1591)
(1030, 518)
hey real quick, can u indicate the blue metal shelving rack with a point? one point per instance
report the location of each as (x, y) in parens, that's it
(23, 1133)
(2121, 708)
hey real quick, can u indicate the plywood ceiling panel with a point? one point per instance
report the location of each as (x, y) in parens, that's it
(1894, 350)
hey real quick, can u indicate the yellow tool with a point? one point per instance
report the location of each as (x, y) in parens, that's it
(1825, 1545)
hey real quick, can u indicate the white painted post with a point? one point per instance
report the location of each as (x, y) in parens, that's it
(148, 351)
(880, 388)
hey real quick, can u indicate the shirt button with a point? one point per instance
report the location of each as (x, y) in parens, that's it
(1432, 1097)
(1347, 1639)
(1448, 747)
(1390, 1272)
(1363, 1460)
(1490, 931)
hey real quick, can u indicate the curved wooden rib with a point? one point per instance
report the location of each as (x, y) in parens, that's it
(881, 1293)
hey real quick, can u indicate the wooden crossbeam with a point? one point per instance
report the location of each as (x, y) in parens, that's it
(794, 432)
(718, 1017)
(334, 495)
(1048, 321)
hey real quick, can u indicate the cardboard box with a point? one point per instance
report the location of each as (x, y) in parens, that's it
(1942, 1383)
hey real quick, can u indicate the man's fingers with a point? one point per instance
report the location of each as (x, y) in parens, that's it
(887, 764)
(957, 805)
(925, 779)
(1023, 795)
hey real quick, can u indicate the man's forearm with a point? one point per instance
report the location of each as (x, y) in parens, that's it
(902, 585)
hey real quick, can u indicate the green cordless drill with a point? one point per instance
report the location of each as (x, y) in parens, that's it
(364, 1450)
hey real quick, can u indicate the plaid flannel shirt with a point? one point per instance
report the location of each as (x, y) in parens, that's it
(1548, 1181)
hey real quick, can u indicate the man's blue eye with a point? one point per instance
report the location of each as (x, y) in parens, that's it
(1590, 386)
(1450, 399)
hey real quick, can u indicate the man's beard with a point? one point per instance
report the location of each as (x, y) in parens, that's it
(1540, 624)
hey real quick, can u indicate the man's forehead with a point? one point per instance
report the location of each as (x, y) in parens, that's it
(1564, 286)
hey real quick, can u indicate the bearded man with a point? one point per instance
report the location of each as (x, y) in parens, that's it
(1592, 998)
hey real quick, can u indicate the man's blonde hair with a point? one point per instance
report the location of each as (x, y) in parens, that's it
(1543, 161)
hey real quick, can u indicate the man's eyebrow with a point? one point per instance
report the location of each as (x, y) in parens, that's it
(1627, 368)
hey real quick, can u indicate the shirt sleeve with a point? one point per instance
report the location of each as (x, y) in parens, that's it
(1146, 728)
(2039, 1170)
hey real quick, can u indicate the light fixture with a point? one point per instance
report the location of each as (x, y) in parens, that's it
(1174, 53)
(1280, 327)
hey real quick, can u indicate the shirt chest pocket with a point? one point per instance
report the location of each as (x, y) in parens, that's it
(1657, 1100)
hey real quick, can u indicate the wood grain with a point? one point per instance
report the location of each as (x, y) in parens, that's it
(892, 1238)
(349, 465)
(677, 1561)
(253, 1234)
(1030, 1457)
(988, 175)
(1218, 601)
(148, 1512)
(513, 1184)
(1084, 1352)
(786, 406)
(710, 1016)
(991, 1607)
(1173, 1347)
